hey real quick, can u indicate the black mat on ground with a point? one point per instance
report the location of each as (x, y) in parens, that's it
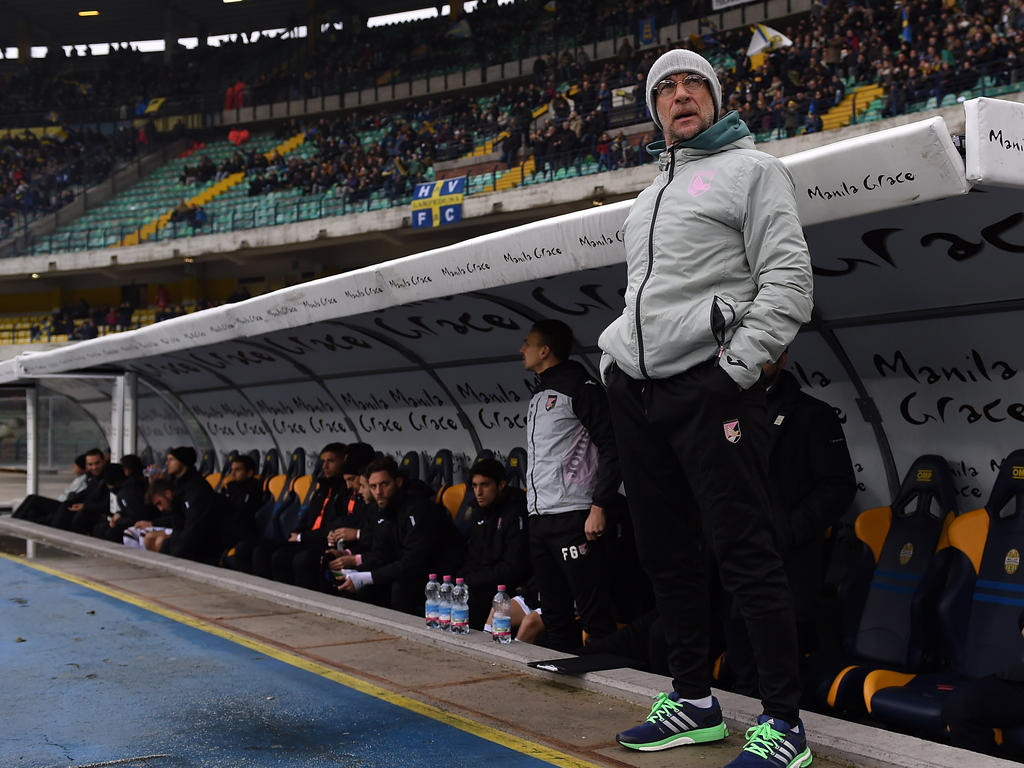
(577, 665)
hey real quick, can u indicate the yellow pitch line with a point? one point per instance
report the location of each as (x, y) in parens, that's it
(448, 718)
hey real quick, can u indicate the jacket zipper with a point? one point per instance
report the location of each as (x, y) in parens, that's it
(533, 445)
(650, 263)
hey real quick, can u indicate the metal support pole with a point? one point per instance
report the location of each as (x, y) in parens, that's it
(31, 441)
(117, 419)
(130, 433)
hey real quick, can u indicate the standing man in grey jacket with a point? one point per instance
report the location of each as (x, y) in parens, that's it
(719, 283)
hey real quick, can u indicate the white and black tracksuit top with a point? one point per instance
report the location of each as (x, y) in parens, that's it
(572, 460)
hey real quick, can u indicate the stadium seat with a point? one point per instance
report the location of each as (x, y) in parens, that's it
(889, 596)
(458, 499)
(276, 512)
(271, 464)
(978, 612)
(515, 468)
(208, 462)
(440, 473)
(410, 465)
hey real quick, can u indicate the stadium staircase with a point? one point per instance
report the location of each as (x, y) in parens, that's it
(863, 96)
(206, 196)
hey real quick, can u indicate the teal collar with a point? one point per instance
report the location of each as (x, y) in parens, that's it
(727, 130)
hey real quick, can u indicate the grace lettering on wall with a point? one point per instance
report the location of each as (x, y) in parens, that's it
(971, 369)
(416, 326)
(326, 341)
(591, 291)
(959, 248)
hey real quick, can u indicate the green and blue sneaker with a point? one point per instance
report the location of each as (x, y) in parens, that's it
(673, 723)
(774, 743)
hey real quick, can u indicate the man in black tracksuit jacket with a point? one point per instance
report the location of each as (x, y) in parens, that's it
(297, 560)
(497, 548)
(811, 483)
(412, 537)
(128, 485)
(572, 478)
(81, 512)
(189, 507)
(245, 495)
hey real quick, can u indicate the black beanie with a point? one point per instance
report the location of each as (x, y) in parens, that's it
(186, 454)
(359, 455)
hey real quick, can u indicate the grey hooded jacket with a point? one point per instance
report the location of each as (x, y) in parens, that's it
(716, 262)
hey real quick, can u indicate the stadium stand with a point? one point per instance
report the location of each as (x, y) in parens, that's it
(845, 65)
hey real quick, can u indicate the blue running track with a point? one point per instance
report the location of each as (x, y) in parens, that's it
(90, 679)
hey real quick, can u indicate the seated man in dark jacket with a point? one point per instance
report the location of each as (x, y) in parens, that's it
(39, 509)
(127, 484)
(353, 530)
(413, 536)
(83, 510)
(187, 506)
(244, 494)
(497, 547)
(297, 560)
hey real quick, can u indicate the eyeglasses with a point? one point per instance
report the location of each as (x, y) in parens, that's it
(690, 83)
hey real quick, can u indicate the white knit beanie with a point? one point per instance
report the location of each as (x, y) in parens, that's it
(674, 62)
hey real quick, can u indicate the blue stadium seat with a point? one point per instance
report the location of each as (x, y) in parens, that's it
(410, 465)
(515, 468)
(891, 592)
(978, 612)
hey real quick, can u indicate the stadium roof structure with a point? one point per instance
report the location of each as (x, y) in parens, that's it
(56, 22)
(917, 268)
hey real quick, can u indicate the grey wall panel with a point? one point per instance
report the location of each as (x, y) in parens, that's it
(951, 252)
(329, 349)
(401, 413)
(230, 420)
(300, 414)
(953, 386)
(494, 398)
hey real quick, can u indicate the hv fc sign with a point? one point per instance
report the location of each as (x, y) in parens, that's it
(438, 203)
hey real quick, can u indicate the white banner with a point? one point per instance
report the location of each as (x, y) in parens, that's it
(901, 166)
(995, 142)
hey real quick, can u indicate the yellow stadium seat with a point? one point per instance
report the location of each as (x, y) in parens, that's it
(302, 485)
(277, 486)
(451, 498)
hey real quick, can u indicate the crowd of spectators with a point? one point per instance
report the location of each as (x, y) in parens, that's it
(90, 319)
(925, 46)
(918, 50)
(39, 175)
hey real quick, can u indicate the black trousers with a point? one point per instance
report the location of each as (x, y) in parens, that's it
(973, 710)
(289, 562)
(568, 569)
(38, 509)
(694, 454)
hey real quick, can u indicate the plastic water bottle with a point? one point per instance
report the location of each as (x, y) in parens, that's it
(460, 608)
(444, 604)
(431, 591)
(501, 621)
